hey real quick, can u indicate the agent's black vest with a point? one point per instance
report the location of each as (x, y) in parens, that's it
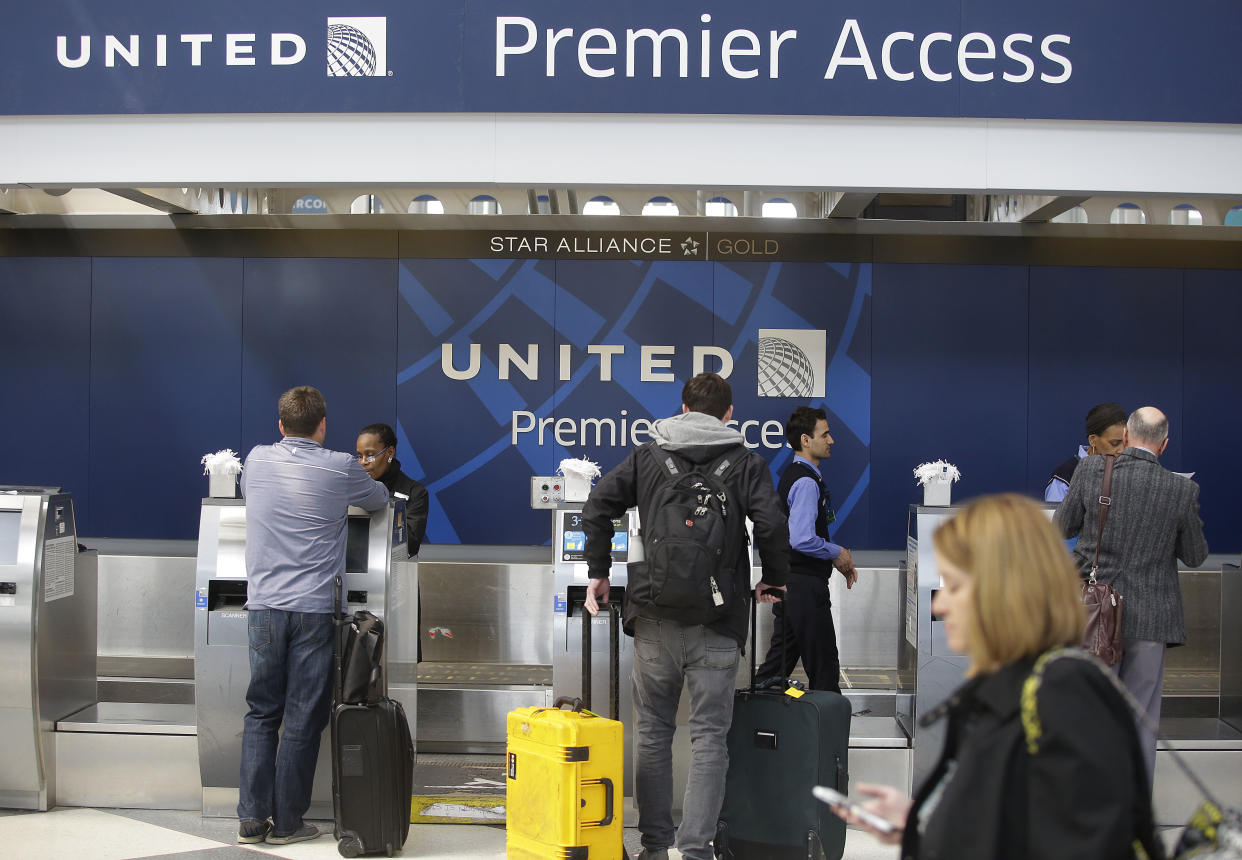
(1064, 472)
(799, 562)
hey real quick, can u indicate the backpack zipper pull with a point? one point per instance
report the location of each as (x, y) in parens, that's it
(717, 598)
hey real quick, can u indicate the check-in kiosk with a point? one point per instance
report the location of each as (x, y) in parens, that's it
(48, 603)
(570, 582)
(928, 671)
(221, 641)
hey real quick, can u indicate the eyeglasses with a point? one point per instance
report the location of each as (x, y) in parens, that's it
(368, 459)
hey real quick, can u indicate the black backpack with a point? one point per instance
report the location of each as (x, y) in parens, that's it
(692, 538)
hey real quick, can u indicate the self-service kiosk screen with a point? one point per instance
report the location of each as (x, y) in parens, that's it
(356, 545)
(10, 523)
(573, 539)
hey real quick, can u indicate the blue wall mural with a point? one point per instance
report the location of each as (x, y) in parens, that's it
(120, 373)
(580, 329)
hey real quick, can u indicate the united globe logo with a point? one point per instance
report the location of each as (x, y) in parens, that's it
(791, 362)
(350, 52)
(357, 47)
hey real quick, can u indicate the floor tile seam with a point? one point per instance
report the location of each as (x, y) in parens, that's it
(120, 814)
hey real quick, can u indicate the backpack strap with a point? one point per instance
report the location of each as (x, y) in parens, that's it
(671, 465)
(1032, 729)
(726, 463)
(720, 471)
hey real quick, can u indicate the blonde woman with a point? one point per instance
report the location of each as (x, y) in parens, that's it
(1071, 782)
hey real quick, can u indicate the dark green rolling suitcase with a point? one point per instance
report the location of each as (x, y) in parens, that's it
(780, 747)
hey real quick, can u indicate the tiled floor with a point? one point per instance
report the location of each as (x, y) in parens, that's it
(120, 834)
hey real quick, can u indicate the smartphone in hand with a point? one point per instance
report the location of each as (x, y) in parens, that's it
(837, 800)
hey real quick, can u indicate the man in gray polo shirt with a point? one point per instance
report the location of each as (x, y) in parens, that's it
(297, 500)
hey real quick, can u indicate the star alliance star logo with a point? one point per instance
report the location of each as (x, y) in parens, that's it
(689, 247)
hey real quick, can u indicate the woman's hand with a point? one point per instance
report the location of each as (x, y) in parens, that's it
(887, 802)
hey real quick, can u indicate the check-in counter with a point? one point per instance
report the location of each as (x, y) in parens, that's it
(221, 639)
(487, 647)
(47, 638)
(1231, 646)
(1206, 731)
(1201, 687)
(928, 670)
(486, 643)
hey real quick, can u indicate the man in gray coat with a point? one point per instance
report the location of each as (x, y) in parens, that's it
(1153, 521)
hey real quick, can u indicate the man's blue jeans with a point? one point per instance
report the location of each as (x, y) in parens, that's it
(666, 656)
(290, 682)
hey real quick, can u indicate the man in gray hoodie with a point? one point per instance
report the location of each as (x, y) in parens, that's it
(671, 652)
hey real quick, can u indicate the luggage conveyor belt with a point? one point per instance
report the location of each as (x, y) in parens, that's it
(481, 674)
(462, 706)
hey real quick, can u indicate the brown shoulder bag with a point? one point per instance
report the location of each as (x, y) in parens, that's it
(1103, 634)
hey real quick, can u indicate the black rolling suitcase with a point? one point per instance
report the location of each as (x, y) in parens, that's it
(780, 747)
(372, 751)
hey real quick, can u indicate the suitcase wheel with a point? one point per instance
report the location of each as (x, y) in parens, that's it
(349, 846)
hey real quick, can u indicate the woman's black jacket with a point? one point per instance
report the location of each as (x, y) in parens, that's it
(416, 505)
(1081, 795)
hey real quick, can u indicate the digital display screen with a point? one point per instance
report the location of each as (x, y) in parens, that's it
(573, 539)
(356, 545)
(10, 521)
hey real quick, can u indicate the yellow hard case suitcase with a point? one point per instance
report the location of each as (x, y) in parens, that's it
(564, 770)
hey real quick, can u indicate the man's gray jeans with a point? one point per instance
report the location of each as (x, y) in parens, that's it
(666, 656)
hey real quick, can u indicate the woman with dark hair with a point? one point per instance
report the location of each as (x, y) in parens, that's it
(377, 451)
(1041, 756)
(1105, 424)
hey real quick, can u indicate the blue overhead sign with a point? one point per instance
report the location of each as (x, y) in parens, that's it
(1104, 60)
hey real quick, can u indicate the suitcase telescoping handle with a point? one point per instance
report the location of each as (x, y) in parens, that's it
(754, 637)
(614, 659)
(754, 643)
(338, 683)
(338, 644)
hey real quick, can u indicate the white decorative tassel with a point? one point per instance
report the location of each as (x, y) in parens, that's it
(579, 474)
(936, 479)
(941, 471)
(223, 467)
(222, 463)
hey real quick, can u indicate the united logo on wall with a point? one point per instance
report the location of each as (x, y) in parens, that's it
(357, 47)
(506, 367)
(791, 362)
